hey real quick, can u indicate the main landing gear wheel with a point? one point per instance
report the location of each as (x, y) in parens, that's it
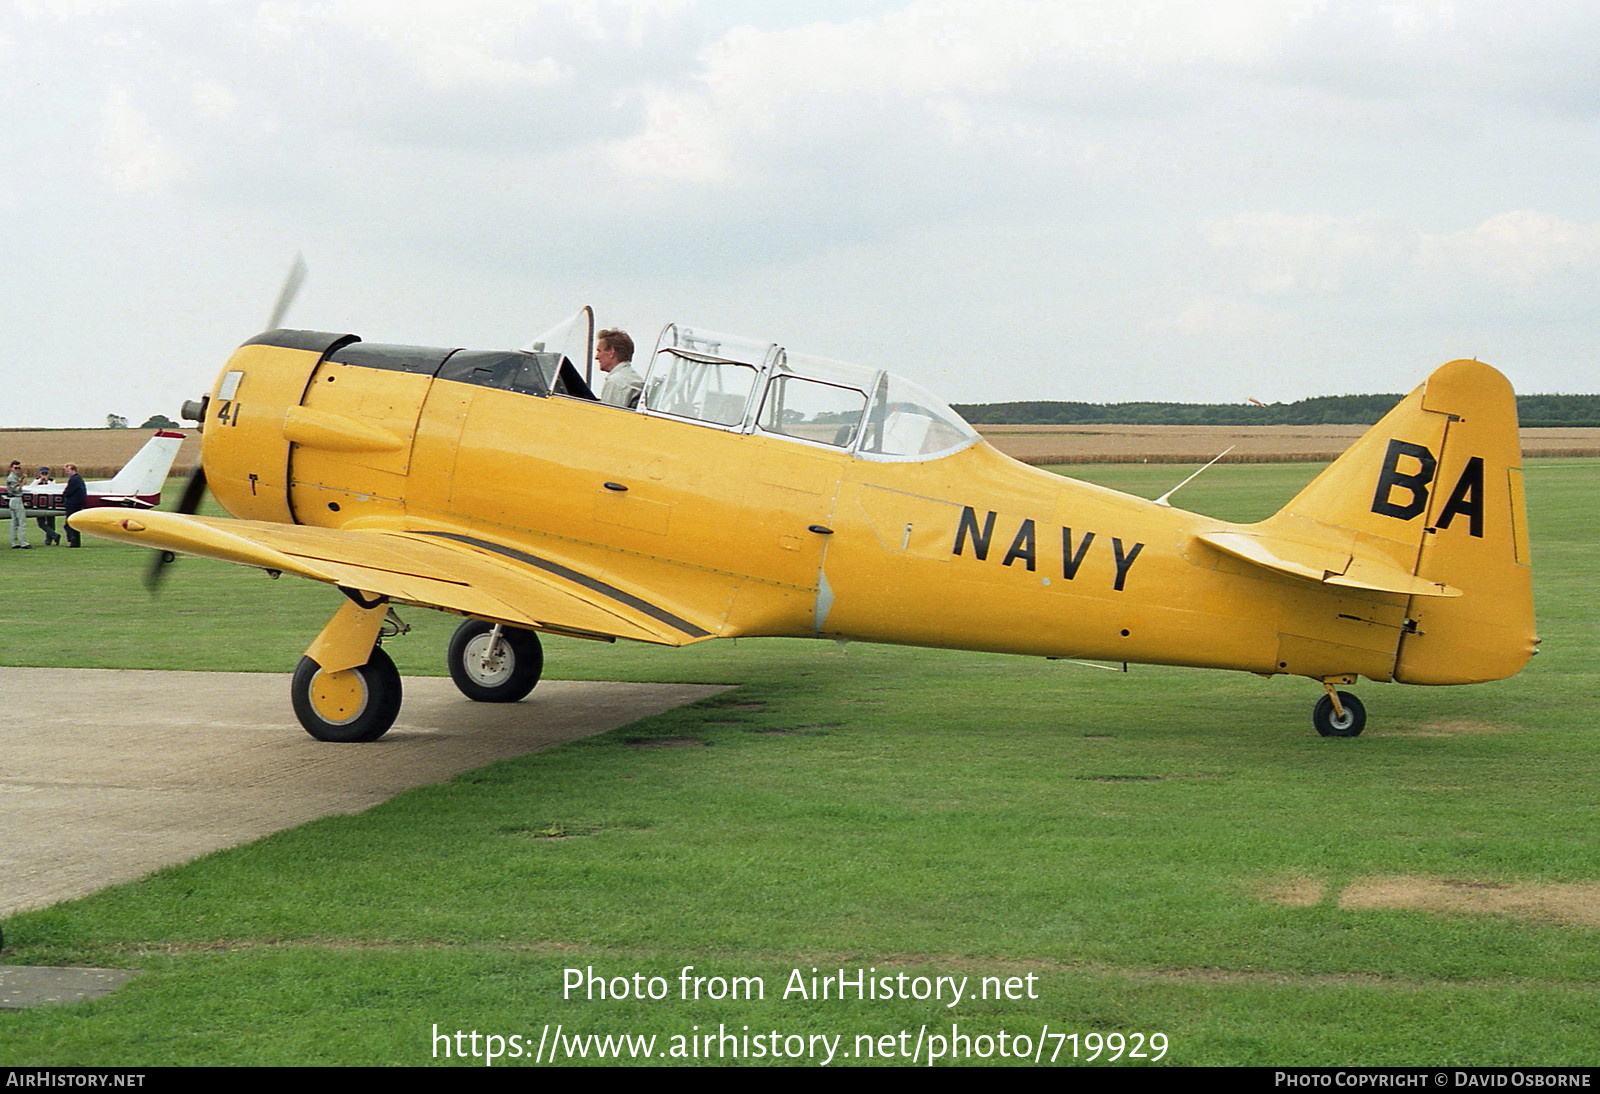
(491, 668)
(1331, 724)
(358, 704)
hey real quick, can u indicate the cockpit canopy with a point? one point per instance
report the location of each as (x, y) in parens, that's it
(746, 386)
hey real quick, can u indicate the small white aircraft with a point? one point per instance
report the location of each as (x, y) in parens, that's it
(137, 486)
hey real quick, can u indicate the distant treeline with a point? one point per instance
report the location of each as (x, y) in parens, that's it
(1532, 410)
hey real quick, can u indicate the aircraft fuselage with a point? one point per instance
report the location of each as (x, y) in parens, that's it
(968, 550)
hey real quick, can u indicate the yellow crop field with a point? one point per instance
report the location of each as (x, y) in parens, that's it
(100, 452)
(97, 452)
(1052, 444)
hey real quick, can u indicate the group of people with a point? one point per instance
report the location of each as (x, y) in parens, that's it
(74, 496)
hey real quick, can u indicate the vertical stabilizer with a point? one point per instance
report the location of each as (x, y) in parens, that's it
(146, 473)
(1436, 489)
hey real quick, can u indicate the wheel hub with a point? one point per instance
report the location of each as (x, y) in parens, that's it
(488, 662)
(338, 697)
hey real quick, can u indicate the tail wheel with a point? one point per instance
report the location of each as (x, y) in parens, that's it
(358, 704)
(1330, 723)
(495, 664)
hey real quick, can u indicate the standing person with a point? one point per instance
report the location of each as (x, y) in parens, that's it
(613, 352)
(74, 498)
(19, 511)
(47, 524)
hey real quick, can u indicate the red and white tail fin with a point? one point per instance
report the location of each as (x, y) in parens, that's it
(1435, 490)
(146, 473)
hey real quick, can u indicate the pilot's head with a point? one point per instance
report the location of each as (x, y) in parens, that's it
(612, 348)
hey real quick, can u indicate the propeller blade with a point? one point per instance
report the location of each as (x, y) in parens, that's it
(194, 492)
(286, 295)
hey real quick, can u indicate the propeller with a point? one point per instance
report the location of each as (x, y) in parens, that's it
(286, 295)
(194, 492)
(194, 489)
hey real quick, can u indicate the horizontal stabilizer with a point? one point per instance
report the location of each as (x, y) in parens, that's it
(1328, 565)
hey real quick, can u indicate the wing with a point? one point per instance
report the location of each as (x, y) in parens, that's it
(439, 569)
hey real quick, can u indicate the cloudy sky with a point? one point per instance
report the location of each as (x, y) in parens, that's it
(1085, 199)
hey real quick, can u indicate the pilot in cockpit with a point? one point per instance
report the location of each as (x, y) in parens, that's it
(613, 352)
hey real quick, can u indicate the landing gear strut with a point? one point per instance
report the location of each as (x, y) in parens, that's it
(345, 687)
(492, 663)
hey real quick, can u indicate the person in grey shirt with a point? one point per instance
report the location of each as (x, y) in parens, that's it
(19, 511)
(613, 352)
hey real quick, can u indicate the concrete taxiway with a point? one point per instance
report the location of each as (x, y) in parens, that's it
(109, 774)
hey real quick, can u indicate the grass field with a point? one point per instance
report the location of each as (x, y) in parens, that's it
(1164, 851)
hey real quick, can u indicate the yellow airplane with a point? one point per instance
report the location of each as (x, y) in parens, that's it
(758, 492)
